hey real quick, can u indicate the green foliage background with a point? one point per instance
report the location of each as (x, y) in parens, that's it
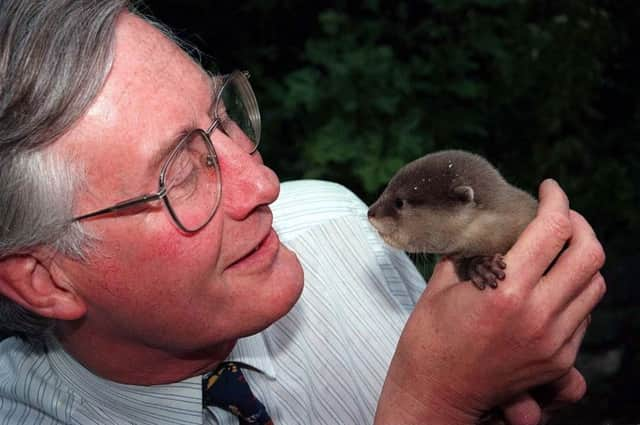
(350, 91)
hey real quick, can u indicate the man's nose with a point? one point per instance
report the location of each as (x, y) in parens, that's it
(246, 182)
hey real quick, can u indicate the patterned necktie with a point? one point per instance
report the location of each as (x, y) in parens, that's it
(227, 388)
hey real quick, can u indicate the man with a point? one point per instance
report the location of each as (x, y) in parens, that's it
(138, 254)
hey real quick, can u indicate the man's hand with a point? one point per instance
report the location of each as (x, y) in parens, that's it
(461, 352)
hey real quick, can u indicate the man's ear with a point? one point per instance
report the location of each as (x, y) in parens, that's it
(28, 282)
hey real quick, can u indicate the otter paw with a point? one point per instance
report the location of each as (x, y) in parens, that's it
(487, 270)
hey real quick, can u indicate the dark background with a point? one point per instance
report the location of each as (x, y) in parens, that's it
(350, 91)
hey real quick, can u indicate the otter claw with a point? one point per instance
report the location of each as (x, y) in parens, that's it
(487, 271)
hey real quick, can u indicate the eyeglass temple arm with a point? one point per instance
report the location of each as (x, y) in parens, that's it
(124, 204)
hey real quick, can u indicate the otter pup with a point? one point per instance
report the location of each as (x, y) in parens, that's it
(454, 203)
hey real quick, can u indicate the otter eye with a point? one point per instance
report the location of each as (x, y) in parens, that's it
(400, 203)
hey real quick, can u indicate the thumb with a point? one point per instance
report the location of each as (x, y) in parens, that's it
(443, 276)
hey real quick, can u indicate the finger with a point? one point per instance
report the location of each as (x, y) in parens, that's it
(581, 307)
(569, 388)
(565, 357)
(443, 276)
(543, 238)
(576, 266)
(576, 339)
(522, 410)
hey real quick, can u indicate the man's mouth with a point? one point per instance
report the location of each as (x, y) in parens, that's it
(261, 254)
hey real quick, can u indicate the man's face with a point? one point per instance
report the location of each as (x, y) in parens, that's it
(147, 283)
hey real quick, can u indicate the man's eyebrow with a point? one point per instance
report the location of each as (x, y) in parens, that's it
(167, 146)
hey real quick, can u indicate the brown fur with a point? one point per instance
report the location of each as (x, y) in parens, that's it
(452, 203)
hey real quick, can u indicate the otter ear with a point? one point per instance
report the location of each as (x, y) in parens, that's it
(463, 193)
(26, 281)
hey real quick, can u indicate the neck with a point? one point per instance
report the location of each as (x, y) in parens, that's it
(133, 363)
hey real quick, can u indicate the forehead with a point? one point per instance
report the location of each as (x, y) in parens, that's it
(150, 73)
(152, 92)
(144, 55)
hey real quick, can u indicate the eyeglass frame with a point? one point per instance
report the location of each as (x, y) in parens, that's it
(162, 188)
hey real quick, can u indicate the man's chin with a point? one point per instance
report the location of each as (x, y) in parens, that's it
(283, 286)
(288, 279)
(270, 296)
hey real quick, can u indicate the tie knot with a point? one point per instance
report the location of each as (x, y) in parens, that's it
(226, 387)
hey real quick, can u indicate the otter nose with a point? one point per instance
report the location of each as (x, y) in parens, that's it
(371, 213)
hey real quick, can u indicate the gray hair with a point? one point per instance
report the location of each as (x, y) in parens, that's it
(55, 56)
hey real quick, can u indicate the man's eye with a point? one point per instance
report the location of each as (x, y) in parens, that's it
(182, 177)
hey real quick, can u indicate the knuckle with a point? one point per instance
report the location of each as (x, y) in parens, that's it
(536, 335)
(595, 255)
(546, 347)
(558, 224)
(565, 360)
(545, 351)
(508, 300)
(558, 361)
(600, 286)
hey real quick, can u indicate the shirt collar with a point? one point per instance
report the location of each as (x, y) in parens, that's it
(253, 351)
(179, 402)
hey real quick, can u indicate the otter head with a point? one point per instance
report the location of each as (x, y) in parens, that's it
(429, 203)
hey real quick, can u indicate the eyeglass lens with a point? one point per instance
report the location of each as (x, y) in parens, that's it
(192, 181)
(237, 110)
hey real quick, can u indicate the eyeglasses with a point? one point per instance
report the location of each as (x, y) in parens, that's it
(190, 181)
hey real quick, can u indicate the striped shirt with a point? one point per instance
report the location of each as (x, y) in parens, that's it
(323, 363)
